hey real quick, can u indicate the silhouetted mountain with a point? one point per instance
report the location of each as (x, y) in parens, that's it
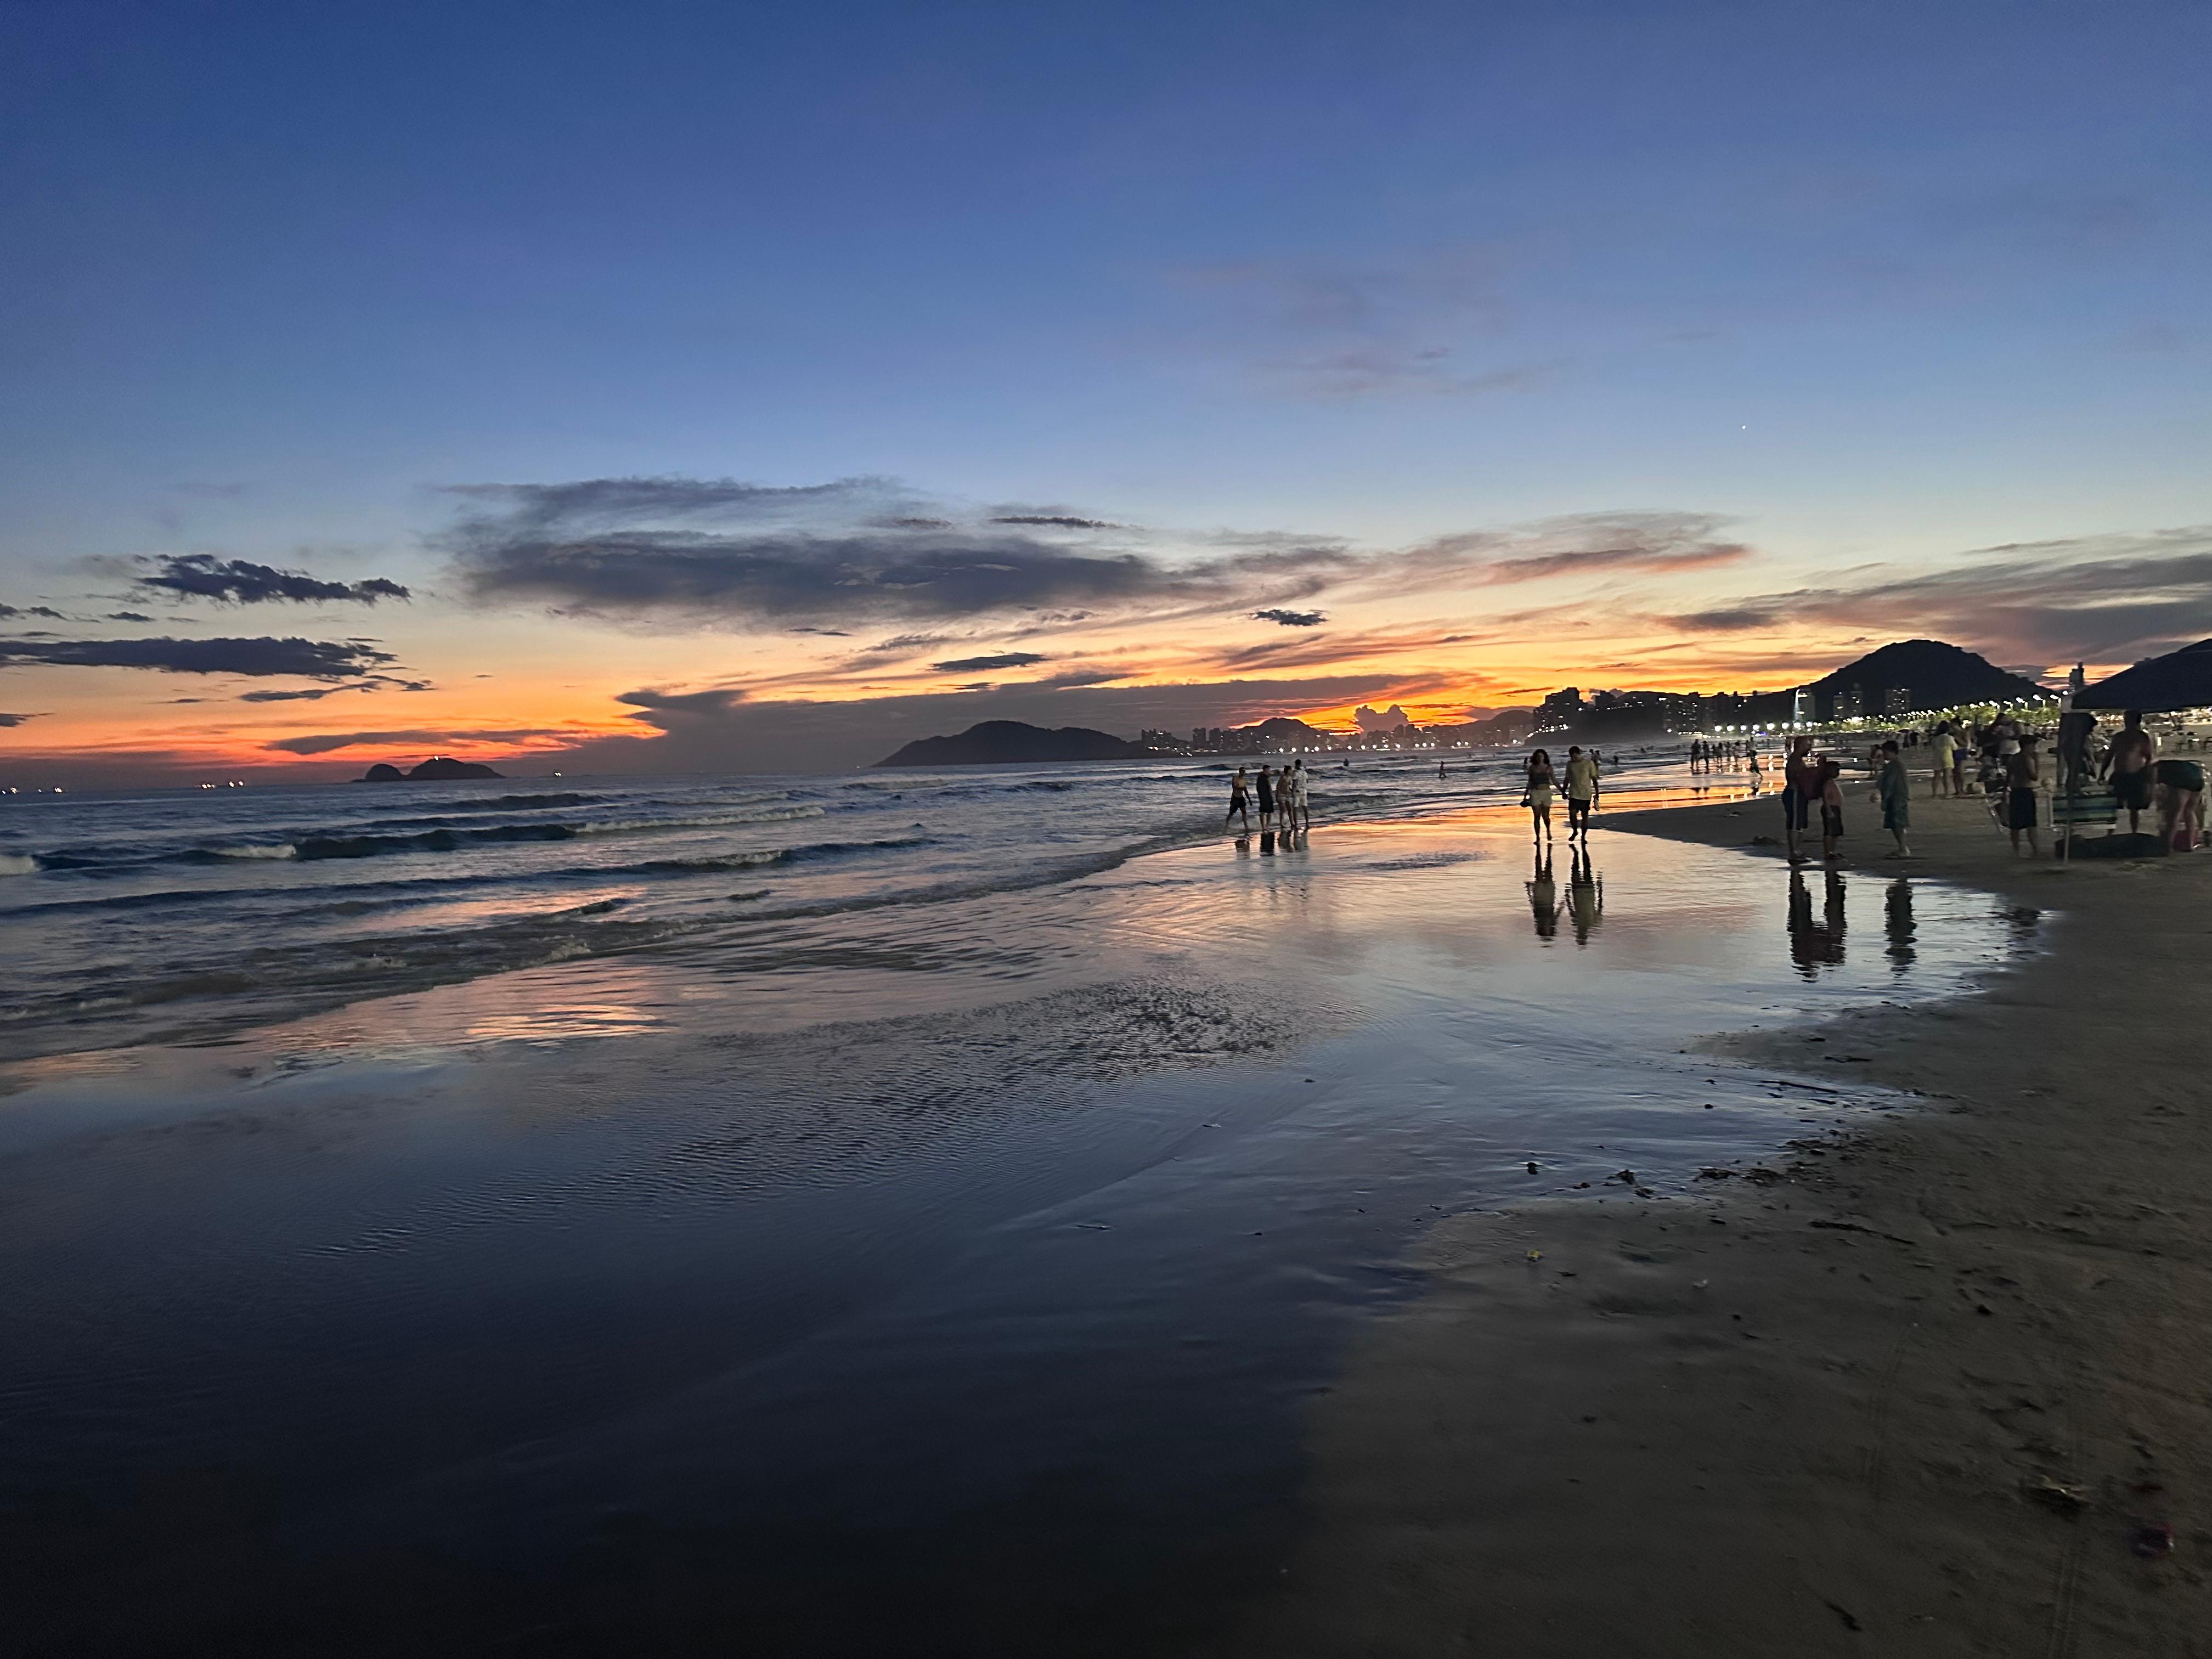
(1000, 741)
(1923, 674)
(437, 769)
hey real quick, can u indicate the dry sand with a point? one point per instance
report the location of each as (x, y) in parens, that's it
(1921, 1393)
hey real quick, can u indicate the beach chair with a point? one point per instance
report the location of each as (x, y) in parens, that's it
(2078, 809)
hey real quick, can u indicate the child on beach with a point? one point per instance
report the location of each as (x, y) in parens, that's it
(1832, 809)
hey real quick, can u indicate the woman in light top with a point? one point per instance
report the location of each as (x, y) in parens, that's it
(1539, 797)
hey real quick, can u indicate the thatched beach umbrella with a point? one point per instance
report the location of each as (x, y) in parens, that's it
(2182, 679)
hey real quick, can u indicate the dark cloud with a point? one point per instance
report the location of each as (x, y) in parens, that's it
(691, 551)
(240, 582)
(128, 615)
(1291, 618)
(15, 720)
(47, 611)
(720, 551)
(314, 660)
(725, 732)
(982, 664)
(1730, 620)
(323, 743)
(1578, 544)
(1056, 520)
(2110, 598)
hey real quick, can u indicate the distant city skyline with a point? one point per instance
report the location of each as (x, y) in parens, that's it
(702, 389)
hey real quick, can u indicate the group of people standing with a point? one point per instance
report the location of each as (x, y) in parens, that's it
(1706, 755)
(1581, 783)
(1808, 779)
(1281, 794)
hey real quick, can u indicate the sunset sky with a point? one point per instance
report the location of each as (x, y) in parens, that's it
(701, 388)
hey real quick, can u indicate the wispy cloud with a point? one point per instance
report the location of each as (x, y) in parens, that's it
(324, 742)
(1291, 618)
(983, 664)
(2099, 597)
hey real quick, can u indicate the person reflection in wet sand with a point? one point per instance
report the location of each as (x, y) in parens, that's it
(1585, 894)
(1897, 917)
(1268, 843)
(1814, 944)
(1544, 897)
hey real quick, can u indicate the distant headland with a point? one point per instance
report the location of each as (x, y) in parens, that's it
(994, 742)
(1909, 681)
(438, 768)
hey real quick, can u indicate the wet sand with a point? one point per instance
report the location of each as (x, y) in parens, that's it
(1928, 1387)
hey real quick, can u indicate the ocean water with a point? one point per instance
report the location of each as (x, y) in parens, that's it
(934, 1256)
(185, 913)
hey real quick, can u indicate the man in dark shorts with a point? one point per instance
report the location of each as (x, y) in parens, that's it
(1799, 785)
(2128, 760)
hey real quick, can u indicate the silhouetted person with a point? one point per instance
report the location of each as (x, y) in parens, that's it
(1538, 800)
(1799, 787)
(1581, 789)
(2022, 771)
(1895, 791)
(1240, 802)
(1267, 798)
(2128, 760)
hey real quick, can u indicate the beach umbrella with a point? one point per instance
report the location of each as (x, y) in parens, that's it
(2182, 679)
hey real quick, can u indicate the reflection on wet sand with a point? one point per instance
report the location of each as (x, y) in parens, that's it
(1897, 917)
(1585, 894)
(1816, 944)
(1544, 895)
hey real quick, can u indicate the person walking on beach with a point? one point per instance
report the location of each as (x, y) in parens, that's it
(2021, 773)
(1581, 790)
(2128, 760)
(1538, 800)
(1800, 784)
(1267, 798)
(1946, 747)
(1240, 804)
(1895, 791)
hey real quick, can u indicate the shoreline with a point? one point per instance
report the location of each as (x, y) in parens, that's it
(1932, 1387)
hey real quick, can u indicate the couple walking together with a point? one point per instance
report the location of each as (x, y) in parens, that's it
(1580, 782)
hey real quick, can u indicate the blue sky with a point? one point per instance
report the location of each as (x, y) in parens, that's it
(1875, 282)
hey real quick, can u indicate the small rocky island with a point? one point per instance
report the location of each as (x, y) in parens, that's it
(1000, 741)
(438, 768)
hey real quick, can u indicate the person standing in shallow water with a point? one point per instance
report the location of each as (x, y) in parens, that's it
(1538, 800)
(1240, 802)
(1300, 778)
(1267, 798)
